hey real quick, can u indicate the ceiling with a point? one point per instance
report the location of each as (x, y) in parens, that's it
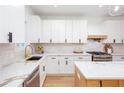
(72, 10)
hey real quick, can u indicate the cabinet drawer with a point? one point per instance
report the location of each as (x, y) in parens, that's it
(67, 57)
(82, 58)
(118, 58)
(52, 58)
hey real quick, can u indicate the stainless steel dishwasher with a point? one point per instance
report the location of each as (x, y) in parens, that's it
(33, 80)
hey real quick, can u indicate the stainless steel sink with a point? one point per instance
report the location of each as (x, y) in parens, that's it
(33, 58)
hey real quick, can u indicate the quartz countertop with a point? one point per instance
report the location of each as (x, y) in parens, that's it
(101, 70)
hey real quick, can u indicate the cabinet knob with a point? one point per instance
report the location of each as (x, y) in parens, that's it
(114, 41)
(50, 40)
(43, 68)
(80, 57)
(38, 40)
(122, 41)
(66, 62)
(79, 40)
(58, 63)
(65, 40)
(66, 57)
(53, 58)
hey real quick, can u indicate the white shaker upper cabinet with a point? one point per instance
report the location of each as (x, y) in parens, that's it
(113, 30)
(34, 29)
(4, 18)
(79, 31)
(68, 32)
(46, 33)
(122, 31)
(83, 31)
(58, 31)
(12, 19)
(17, 23)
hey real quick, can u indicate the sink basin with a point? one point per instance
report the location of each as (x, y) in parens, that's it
(34, 58)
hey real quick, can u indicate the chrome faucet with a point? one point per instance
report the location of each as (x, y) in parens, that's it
(26, 54)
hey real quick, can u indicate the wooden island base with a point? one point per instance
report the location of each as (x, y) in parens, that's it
(80, 81)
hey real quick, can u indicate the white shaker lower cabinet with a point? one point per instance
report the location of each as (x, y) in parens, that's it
(33, 29)
(63, 65)
(42, 73)
(52, 65)
(59, 65)
(66, 65)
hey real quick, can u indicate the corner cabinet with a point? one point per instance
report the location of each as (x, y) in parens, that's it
(12, 20)
(33, 29)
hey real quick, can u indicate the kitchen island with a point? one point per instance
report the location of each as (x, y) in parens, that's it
(99, 74)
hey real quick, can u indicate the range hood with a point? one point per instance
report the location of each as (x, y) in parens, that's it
(97, 37)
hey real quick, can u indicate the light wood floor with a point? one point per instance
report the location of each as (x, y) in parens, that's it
(59, 81)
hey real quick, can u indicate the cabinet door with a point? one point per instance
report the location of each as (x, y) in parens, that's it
(52, 65)
(46, 34)
(66, 66)
(68, 32)
(112, 29)
(110, 83)
(4, 18)
(79, 31)
(80, 81)
(83, 31)
(122, 31)
(17, 23)
(42, 73)
(70, 67)
(58, 31)
(121, 83)
(76, 31)
(34, 29)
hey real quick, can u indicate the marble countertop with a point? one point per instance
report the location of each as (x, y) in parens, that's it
(101, 70)
(16, 72)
